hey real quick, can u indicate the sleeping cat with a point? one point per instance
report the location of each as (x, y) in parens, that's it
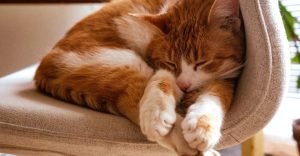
(143, 58)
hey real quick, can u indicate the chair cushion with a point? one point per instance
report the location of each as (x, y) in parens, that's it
(30, 120)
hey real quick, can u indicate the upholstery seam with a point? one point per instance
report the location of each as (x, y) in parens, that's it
(9, 147)
(64, 135)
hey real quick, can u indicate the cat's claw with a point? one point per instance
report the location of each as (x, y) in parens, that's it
(201, 131)
(157, 116)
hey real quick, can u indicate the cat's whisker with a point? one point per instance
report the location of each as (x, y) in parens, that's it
(232, 73)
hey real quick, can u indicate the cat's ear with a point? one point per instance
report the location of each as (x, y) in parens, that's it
(225, 14)
(160, 21)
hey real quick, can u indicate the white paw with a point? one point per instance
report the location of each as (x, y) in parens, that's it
(201, 130)
(211, 153)
(157, 115)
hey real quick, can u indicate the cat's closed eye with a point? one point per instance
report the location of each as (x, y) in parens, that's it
(170, 65)
(200, 64)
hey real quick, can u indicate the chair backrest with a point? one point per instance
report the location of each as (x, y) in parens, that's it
(263, 81)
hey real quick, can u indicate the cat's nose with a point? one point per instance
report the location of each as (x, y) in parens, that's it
(184, 86)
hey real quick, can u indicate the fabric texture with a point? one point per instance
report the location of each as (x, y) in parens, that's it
(31, 122)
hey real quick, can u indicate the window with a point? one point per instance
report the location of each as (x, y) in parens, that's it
(294, 7)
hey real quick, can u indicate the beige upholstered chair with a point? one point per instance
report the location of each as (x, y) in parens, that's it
(31, 123)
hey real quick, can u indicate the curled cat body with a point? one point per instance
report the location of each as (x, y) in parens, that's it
(142, 59)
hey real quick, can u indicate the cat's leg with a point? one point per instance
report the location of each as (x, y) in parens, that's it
(203, 121)
(158, 119)
(157, 106)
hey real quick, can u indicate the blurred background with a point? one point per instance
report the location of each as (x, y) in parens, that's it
(278, 134)
(28, 31)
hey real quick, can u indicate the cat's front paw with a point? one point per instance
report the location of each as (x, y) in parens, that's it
(211, 153)
(201, 131)
(157, 116)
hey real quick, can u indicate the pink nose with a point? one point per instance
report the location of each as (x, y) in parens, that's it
(184, 86)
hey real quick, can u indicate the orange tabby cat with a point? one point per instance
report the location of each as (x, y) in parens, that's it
(141, 58)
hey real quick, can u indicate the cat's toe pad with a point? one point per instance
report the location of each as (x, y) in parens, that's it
(156, 123)
(202, 132)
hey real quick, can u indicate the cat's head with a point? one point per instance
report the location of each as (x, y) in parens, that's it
(197, 40)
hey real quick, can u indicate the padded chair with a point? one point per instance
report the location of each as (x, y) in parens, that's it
(34, 124)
